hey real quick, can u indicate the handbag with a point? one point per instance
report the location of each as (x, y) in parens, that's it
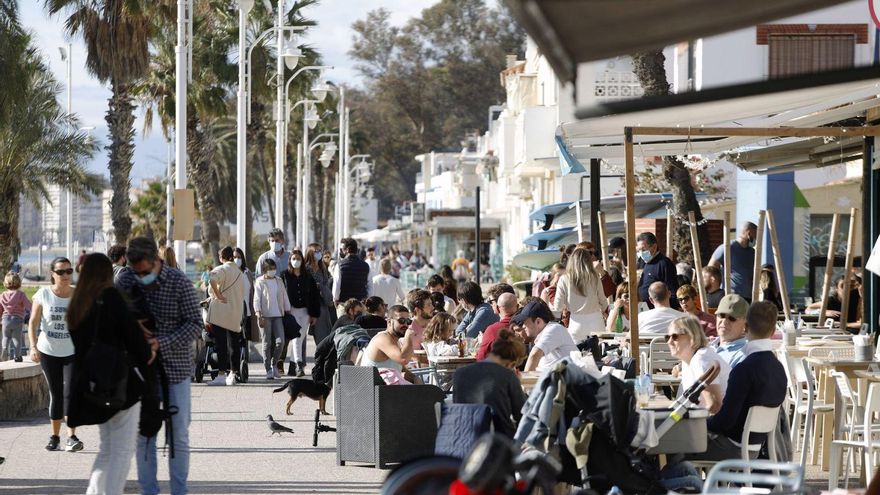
(108, 369)
(291, 327)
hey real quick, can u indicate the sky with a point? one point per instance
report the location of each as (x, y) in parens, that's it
(332, 38)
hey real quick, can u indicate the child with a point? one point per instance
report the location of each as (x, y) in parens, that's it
(438, 336)
(13, 306)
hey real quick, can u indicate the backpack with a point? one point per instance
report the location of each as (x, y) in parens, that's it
(107, 370)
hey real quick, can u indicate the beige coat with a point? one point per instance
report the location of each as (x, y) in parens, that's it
(230, 279)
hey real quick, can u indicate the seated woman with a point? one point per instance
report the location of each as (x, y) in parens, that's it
(687, 297)
(835, 302)
(493, 382)
(769, 288)
(619, 310)
(438, 336)
(687, 342)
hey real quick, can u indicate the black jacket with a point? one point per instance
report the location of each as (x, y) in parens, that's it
(117, 326)
(659, 269)
(302, 291)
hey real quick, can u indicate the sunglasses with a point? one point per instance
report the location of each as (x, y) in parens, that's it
(67, 271)
(404, 321)
(673, 337)
(729, 318)
(684, 299)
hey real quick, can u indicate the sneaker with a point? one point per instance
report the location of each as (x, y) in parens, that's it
(230, 379)
(74, 444)
(291, 369)
(219, 381)
(270, 375)
(280, 367)
(18, 359)
(276, 373)
(300, 369)
(54, 441)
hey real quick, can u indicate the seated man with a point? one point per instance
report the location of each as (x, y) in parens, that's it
(759, 380)
(392, 348)
(552, 340)
(479, 314)
(657, 320)
(507, 306)
(352, 309)
(731, 328)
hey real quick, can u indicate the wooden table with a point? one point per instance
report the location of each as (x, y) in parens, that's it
(828, 394)
(446, 365)
(802, 351)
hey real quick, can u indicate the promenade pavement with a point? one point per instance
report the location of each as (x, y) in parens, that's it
(232, 452)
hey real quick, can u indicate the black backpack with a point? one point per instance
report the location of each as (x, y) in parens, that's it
(108, 369)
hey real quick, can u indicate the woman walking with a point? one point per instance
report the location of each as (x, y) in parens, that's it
(305, 303)
(248, 280)
(580, 291)
(319, 272)
(270, 304)
(54, 348)
(99, 314)
(13, 306)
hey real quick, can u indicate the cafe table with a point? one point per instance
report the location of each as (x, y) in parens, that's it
(446, 365)
(827, 392)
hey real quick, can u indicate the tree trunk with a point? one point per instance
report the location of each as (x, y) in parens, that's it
(648, 68)
(199, 175)
(10, 202)
(120, 125)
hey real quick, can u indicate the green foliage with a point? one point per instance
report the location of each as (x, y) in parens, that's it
(150, 209)
(428, 83)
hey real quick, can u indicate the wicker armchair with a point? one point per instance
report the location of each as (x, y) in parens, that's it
(381, 424)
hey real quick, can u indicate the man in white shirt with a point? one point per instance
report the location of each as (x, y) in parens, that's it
(373, 262)
(552, 341)
(657, 320)
(386, 286)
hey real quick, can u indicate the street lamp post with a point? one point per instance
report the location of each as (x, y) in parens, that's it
(346, 200)
(300, 179)
(182, 74)
(244, 8)
(66, 55)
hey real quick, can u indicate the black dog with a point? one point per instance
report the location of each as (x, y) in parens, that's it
(308, 387)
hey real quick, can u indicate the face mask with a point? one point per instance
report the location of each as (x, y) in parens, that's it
(317, 254)
(646, 256)
(271, 273)
(237, 262)
(296, 263)
(752, 243)
(275, 246)
(148, 279)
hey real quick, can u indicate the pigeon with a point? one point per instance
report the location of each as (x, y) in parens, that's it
(275, 427)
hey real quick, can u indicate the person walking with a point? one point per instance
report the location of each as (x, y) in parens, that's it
(305, 306)
(351, 278)
(270, 304)
(386, 286)
(54, 348)
(319, 271)
(248, 281)
(276, 252)
(742, 260)
(99, 313)
(169, 257)
(170, 305)
(116, 253)
(655, 267)
(13, 306)
(580, 292)
(226, 293)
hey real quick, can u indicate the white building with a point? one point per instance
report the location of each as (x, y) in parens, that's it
(49, 222)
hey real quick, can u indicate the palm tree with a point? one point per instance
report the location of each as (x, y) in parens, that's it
(12, 44)
(39, 144)
(149, 209)
(116, 33)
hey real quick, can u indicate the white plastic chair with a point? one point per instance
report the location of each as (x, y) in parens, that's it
(731, 475)
(761, 419)
(802, 390)
(839, 352)
(661, 358)
(868, 445)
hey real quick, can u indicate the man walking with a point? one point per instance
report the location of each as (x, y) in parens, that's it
(276, 253)
(656, 267)
(175, 320)
(742, 260)
(351, 276)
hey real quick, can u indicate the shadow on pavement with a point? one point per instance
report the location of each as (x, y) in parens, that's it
(30, 487)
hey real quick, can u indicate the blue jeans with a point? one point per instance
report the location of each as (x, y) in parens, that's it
(178, 466)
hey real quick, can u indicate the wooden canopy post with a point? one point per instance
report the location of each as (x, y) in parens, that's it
(698, 258)
(630, 178)
(847, 275)
(670, 232)
(603, 239)
(780, 270)
(829, 267)
(726, 252)
(759, 254)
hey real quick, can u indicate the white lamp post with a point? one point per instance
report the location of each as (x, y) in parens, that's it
(346, 200)
(244, 8)
(66, 56)
(182, 74)
(300, 180)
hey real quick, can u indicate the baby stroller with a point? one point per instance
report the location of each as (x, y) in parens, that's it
(206, 358)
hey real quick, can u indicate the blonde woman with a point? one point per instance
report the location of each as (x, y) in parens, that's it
(687, 342)
(580, 292)
(438, 336)
(167, 255)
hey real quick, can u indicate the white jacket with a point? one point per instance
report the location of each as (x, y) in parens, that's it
(270, 297)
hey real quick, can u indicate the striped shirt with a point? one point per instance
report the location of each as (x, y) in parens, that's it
(175, 308)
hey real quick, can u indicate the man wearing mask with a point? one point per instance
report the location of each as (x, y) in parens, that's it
(742, 260)
(351, 276)
(656, 267)
(276, 252)
(176, 321)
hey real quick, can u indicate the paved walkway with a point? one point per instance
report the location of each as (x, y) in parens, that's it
(232, 452)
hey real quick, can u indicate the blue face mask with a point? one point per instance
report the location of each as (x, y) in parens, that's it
(318, 254)
(646, 256)
(148, 279)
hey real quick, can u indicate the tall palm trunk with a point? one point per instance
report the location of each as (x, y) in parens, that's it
(9, 242)
(120, 124)
(199, 175)
(651, 73)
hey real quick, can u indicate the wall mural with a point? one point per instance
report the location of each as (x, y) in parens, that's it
(820, 234)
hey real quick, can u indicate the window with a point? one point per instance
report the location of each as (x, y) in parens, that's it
(792, 55)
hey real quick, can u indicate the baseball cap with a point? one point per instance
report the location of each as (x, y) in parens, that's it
(533, 309)
(617, 242)
(733, 305)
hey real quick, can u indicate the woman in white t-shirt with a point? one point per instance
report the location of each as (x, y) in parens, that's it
(580, 291)
(688, 342)
(52, 347)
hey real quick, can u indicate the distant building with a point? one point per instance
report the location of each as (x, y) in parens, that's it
(48, 222)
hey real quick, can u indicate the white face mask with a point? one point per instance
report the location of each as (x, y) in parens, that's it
(271, 273)
(275, 246)
(237, 262)
(296, 263)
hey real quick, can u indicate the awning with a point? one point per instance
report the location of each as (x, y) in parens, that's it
(547, 238)
(465, 223)
(602, 137)
(798, 155)
(545, 215)
(537, 260)
(613, 207)
(376, 235)
(571, 32)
